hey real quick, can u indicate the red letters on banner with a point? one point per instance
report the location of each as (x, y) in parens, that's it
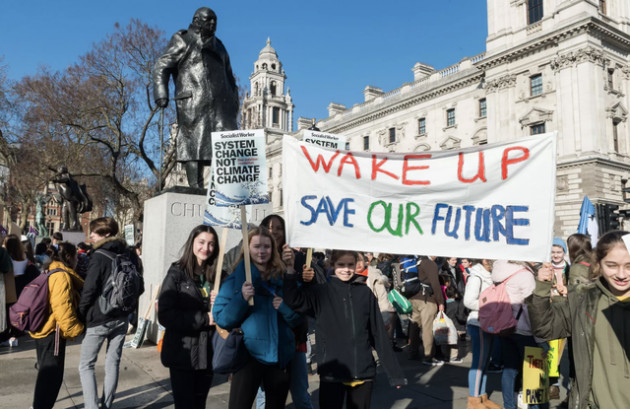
(411, 171)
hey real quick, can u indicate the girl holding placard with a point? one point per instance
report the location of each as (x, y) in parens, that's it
(267, 325)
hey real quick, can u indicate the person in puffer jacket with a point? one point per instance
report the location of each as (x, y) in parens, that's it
(184, 310)
(479, 279)
(63, 324)
(267, 325)
(595, 316)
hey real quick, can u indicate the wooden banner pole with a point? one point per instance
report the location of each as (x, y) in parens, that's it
(309, 257)
(248, 267)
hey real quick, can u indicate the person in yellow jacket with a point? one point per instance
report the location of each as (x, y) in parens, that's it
(62, 324)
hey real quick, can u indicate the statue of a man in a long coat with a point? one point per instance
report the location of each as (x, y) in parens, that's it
(206, 95)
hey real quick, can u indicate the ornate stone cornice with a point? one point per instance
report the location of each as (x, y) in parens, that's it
(572, 58)
(589, 25)
(593, 159)
(506, 81)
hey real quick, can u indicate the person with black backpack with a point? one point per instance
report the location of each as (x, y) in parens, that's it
(110, 293)
(426, 302)
(62, 324)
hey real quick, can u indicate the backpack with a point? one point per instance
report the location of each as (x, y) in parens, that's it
(495, 309)
(122, 288)
(31, 310)
(411, 283)
(409, 274)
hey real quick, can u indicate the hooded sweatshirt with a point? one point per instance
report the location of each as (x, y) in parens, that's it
(479, 280)
(611, 367)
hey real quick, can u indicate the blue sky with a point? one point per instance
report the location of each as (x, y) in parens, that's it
(330, 50)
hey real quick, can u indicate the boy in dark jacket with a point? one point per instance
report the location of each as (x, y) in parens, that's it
(101, 327)
(345, 340)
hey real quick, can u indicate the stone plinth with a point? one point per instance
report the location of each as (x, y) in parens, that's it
(168, 220)
(74, 237)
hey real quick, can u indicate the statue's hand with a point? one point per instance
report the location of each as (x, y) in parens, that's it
(162, 102)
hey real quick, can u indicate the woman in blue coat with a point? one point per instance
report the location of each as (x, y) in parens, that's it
(266, 325)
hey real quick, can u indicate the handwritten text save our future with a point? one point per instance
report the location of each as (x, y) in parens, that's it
(467, 222)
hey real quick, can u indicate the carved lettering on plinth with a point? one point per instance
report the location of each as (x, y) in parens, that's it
(182, 209)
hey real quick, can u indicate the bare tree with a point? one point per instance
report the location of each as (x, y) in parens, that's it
(98, 116)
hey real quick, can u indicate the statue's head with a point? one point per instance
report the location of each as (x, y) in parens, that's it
(62, 169)
(205, 20)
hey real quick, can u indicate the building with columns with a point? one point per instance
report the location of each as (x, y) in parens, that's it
(549, 65)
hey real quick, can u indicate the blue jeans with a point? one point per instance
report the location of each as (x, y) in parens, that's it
(298, 385)
(513, 355)
(114, 332)
(481, 347)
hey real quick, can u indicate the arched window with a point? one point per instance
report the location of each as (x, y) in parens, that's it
(256, 89)
(273, 67)
(264, 66)
(272, 88)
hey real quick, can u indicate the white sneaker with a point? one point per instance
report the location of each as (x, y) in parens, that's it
(11, 342)
(432, 362)
(519, 401)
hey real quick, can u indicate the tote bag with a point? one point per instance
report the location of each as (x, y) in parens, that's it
(230, 353)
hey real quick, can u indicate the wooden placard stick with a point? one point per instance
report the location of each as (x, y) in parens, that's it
(248, 267)
(219, 268)
(309, 256)
(219, 265)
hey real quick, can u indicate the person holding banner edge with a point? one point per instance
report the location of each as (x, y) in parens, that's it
(596, 313)
(184, 311)
(346, 366)
(267, 325)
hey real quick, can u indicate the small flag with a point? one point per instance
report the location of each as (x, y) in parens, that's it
(588, 221)
(33, 230)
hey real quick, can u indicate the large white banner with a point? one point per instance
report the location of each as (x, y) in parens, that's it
(489, 201)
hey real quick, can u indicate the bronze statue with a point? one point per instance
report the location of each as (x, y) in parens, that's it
(40, 218)
(74, 198)
(206, 95)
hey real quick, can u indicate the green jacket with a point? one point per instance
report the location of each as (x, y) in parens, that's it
(563, 318)
(580, 271)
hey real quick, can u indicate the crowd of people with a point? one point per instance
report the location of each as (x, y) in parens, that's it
(76, 280)
(344, 296)
(582, 295)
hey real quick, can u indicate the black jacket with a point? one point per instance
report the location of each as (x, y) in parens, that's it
(349, 325)
(99, 269)
(184, 314)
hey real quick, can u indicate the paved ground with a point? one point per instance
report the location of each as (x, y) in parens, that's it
(144, 382)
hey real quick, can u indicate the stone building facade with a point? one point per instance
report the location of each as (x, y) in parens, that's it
(549, 65)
